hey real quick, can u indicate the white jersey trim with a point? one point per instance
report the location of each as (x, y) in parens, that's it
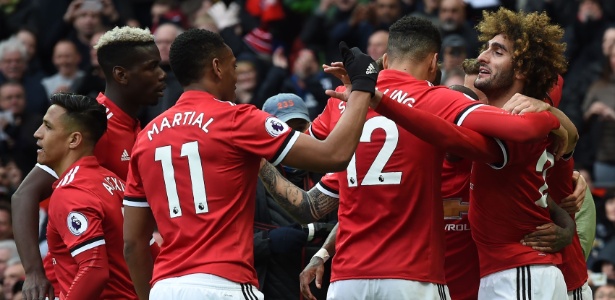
(466, 113)
(87, 247)
(48, 170)
(504, 154)
(326, 191)
(131, 203)
(286, 149)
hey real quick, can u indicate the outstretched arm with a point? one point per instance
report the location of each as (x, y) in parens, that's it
(138, 229)
(315, 269)
(305, 207)
(35, 188)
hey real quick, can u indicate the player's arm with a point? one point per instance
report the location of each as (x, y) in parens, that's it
(453, 139)
(552, 237)
(316, 267)
(305, 207)
(25, 207)
(138, 229)
(92, 275)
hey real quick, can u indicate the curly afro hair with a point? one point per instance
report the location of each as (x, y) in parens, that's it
(538, 51)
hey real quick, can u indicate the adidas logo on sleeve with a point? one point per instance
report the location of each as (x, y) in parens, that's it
(125, 156)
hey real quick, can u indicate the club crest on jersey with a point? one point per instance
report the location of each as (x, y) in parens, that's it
(275, 126)
(77, 223)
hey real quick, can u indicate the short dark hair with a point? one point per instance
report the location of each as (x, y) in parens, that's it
(192, 51)
(83, 112)
(119, 47)
(413, 38)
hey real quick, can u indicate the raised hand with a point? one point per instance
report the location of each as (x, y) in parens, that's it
(361, 69)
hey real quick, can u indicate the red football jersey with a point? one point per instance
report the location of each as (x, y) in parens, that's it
(573, 267)
(213, 149)
(390, 200)
(461, 256)
(115, 146)
(508, 202)
(85, 212)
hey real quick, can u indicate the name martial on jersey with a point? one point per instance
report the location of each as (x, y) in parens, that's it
(189, 118)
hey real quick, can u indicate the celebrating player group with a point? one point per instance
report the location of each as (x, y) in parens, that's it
(439, 195)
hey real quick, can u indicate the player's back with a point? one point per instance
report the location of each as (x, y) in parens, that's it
(390, 200)
(509, 202)
(198, 166)
(86, 211)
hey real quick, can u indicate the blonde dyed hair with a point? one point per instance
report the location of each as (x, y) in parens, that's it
(125, 34)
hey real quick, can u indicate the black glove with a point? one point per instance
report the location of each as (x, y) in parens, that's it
(287, 239)
(361, 69)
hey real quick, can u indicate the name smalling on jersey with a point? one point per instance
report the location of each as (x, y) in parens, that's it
(189, 118)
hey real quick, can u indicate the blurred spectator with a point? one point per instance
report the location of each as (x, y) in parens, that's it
(66, 59)
(309, 82)
(8, 251)
(281, 246)
(608, 40)
(13, 15)
(6, 222)
(17, 294)
(605, 292)
(598, 159)
(453, 76)
(164, 37)
(584, 52)
(167, 11)
(13, 63)
(28, 39)
(452, 16)
(20, 144)
(377, 44)
(428, 9)
(605, 224)
(605, 261)
(93, 81)
(453, 53)
(247, 78)
(14, 272)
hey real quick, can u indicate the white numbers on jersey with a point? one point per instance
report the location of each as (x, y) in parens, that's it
(190, 150)
(374, 175)
(540, 167)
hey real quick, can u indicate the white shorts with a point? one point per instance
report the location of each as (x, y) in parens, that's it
(582, 293)
(536, 282)
(203, 286)
(377, 289)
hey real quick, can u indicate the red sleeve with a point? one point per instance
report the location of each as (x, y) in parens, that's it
(559, 179)
(134, 195)
(92, 274)
(83, 213)
(329, 185)
(487, 120)
(261, 134)
(495, 122)
(321, 126)
(441, 133)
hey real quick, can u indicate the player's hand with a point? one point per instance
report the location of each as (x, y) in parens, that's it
(36, 286)
(572, 204)
(314, 270)
(337, 69)
(548, 238)
(561, 141)
(361, 68)
(520, 104)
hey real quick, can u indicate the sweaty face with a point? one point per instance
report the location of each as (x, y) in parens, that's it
(496, 73)
(146, 78)
(52, 137)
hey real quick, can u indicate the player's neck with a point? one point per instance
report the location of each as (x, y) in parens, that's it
(419, 71)
(123, 102)
(499, 97)
(69, 159)
(208, 87)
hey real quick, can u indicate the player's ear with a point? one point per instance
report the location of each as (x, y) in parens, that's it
(216, 65)
(519, 75)
(75, 139)
(433, 64)
(385, 61)
(120, 75)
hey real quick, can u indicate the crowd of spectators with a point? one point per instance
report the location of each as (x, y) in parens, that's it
(280, 45)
